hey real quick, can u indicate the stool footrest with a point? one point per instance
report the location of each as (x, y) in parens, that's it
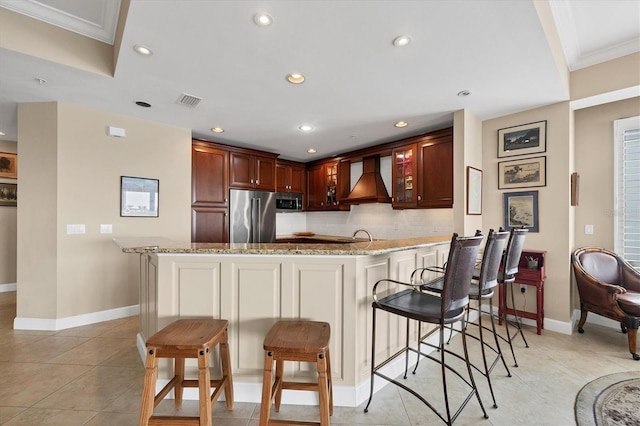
(292, 423)
(193, 383)
(174, 420)
(300, 386)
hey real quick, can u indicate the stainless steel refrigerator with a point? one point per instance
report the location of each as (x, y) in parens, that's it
(252, 216)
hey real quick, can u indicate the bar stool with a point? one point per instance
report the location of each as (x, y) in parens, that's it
(507, 277)
(306, 341)
(187, 338)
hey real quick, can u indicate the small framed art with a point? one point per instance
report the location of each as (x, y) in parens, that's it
(8, 194)
(8, 165)
(474, 191)
(521, 209)
(139, 197)
(524, 173)
(521, 140)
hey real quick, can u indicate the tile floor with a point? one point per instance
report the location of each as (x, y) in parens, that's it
(92, 375)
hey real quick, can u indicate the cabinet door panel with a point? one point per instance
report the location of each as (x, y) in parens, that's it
(318, 294)
(316, 191)
(390, 329)
(265, 173)
(148, 285)
(256, 307)
(209, 176)
(437, 173)
(282, 178)
(241, 170)
(209, 225)
(198, 289)
(405, 182)
(297, 180)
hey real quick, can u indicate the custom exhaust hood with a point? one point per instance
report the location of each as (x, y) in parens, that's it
(370, 187)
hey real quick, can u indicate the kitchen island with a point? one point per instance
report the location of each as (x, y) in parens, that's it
(254, 285)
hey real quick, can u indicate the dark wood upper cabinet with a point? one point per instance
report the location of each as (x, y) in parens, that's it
(436, 170)
(404, 170)
(249, 171)
(265, 173)
(290, 177)
(209, 176)
(327, 184)
(209, 193)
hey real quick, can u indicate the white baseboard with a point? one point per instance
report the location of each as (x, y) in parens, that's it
(596, 319)
(549, 324)
(48, 324)
(8, 287)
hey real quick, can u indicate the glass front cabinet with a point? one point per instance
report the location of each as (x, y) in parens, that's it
(404, 176)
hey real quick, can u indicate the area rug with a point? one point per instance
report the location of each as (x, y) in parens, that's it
(612, 400)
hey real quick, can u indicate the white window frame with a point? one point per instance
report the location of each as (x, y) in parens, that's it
(620, 127)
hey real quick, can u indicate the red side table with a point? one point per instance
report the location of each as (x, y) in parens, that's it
(533, 276)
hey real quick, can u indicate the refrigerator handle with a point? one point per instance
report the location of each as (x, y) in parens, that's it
(251, 226)
(259, 220)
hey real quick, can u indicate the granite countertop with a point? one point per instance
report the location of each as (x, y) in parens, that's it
(342, 246)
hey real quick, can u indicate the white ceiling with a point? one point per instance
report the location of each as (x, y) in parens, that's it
(358, 84)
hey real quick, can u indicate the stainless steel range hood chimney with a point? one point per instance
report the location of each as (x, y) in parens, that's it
(370, 187)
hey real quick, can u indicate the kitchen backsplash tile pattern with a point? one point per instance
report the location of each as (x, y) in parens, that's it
(380, 219)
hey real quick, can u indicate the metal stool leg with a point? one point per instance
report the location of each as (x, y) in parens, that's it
(373, 358)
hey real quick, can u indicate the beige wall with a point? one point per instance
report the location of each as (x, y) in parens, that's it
(37, 210)
(8, 223)
(467, 141)
(553, 199)
(610, 76)
(594, 163)
(33, 37)
(70, 172)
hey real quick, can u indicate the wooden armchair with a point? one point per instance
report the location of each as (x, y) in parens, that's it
(608, 286)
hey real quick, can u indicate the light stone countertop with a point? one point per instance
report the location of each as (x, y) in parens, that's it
(359, 247)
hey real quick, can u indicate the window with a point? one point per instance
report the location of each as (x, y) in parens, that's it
(627, 189)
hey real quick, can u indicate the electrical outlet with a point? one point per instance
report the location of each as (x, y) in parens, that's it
(523, 288)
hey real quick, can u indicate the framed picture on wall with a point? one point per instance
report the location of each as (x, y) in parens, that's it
(521, 140)
(139, 197)
(521, 209)
(474, 191)
(525, 173)
(8, 165)
(8, 194)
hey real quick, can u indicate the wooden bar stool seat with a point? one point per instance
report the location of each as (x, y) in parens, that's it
(306, 341)
(187, 338)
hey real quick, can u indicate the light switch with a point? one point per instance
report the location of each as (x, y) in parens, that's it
(106, 228)
(73, 229)
(588, 229)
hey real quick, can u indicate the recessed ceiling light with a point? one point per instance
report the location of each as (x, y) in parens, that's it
(2, 134)
(464, 93)
(312, 151)
(401, 124)
(401, 41)
(143, 50)
(217, 129)
(143, 104)
(295, 78)
(262, 19)
(305, 127)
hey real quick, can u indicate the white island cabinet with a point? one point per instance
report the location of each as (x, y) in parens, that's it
(255, 285)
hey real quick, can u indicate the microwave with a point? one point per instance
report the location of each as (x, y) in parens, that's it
(286, 202)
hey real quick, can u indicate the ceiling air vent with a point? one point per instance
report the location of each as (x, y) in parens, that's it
(189, 100)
